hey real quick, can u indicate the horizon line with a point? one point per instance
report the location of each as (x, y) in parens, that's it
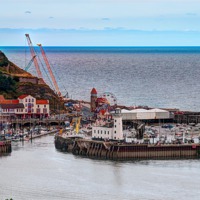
(108, 46)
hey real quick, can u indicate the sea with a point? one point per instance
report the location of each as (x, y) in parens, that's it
(164, 77)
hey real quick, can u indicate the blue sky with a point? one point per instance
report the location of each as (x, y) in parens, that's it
(101, 22)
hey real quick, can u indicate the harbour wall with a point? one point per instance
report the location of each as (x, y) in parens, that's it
(123, 151)
(5, 147)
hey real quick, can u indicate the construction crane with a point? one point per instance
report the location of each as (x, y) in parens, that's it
(50, 71)
(33, 56)
(29, 64)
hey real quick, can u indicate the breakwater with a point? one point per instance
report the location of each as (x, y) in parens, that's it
(5, 147)
(124, 151)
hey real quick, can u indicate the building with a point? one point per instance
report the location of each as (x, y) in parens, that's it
(115, 132)
(93, 99)
(25, 106)
(143, 114)
(9, 109)
(33, 107)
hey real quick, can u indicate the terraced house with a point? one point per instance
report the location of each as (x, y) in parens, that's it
(26, 106)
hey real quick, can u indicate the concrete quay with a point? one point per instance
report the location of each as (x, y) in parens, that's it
(43, 134)
(45, 122)
(5, 147)
(125, 151)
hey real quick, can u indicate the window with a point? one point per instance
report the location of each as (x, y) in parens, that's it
(115, 132)
(38, 106)
(98, 131)
(32, 110)
(25, 110)
(45, 106)
(37, 110)
(44, 110)
(94, 131)
(29, 100)
(26, 100)
(32, 100)
(115, 120)
(115, 126)
(108, 132)
(104, 132)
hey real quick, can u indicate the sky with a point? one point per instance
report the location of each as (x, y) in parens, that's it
(100, 22)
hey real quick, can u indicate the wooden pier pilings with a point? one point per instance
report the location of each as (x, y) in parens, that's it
(5, 147)
(123, 151)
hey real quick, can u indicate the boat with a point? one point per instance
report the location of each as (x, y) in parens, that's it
(15, 139)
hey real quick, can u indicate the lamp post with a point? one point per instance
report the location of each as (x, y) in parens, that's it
(1, 125)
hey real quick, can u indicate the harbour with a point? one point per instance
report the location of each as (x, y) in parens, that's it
(126, 163)
(100, 100)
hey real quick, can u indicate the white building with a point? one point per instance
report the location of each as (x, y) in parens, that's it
(112, 133)
(143, 114)
(32, 106)
(25, 106)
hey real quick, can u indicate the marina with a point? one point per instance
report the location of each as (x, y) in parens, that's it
(167, 146)
(110, 139)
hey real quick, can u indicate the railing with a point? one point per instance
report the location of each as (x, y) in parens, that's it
(36, 121)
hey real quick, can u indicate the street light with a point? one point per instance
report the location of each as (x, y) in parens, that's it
(1, 118)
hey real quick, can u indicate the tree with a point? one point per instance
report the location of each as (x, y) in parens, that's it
(7, 84)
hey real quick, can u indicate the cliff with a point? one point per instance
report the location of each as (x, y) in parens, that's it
(9, 68)
(16, 81)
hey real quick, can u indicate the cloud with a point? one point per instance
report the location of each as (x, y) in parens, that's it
(105, 19)
(115, 28)
(28, 12)
(191, 14)
(51, 17)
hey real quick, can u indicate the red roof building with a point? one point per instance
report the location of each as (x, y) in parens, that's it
(94, 91)
(26, 106)
(8, 101)
(42, 101)
(23, 96)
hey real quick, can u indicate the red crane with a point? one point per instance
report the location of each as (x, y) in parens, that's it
(50, 71)
(34, 56)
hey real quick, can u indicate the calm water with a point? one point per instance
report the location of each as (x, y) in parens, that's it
(153, 76)
(38, 171)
